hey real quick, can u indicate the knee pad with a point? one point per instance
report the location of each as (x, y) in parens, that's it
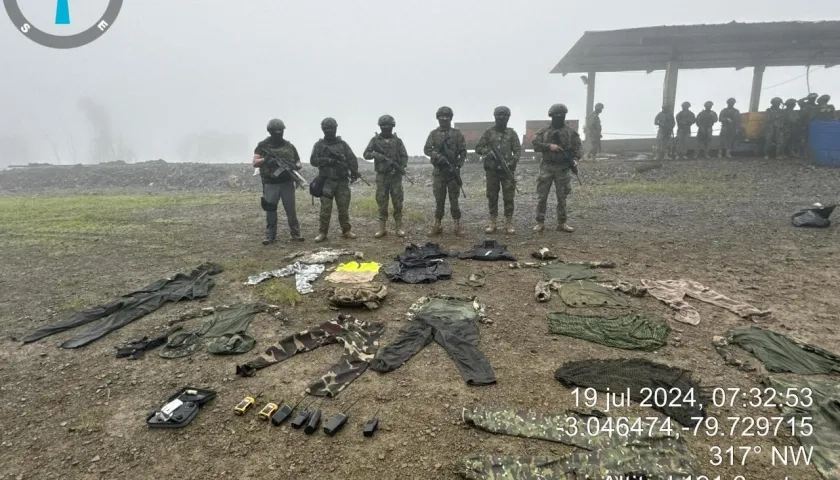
(268, 207)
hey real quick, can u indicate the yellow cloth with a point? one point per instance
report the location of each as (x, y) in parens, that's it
(358, 267)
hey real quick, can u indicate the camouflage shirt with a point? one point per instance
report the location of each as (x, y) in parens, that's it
(706, 119)
(567, 139)
(332, 158)
(456, 146)
(593, 124)
(507, 142)
(392, 148)
(665, 121)
(685, 119)
(282, 150)
(773, 117)
(730, 118)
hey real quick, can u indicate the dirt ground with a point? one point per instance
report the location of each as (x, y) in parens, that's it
(80, 413)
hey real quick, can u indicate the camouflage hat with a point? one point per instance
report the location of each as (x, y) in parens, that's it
(775, 101)
(730, 101)
(329, 122)
(686, 104)
(557, 109)
(501, 110)
(444, 111)
(790, 101)
(708, 103)
(824, 99)
(275, 124)
(387, 120)
(599, 105)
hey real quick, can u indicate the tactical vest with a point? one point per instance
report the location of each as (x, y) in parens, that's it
(286, 151)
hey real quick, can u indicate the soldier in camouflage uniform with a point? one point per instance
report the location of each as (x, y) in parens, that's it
(685, 119)
(665, 121)
(447, 149)
(385, 148)
(730, 123)
(277, 187)
(773, 125)
(808, 109)
(826, 112)
(593, 131)
(790, 121)
(705, 121)
(561, 148)
(336, 163)
(509, 146)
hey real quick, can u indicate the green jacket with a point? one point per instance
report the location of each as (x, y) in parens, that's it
(327, 157)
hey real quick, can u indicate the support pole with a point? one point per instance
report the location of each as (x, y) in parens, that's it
(669, 93)
(755, 93)
(590, 93)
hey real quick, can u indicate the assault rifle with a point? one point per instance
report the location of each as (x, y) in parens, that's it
(392, 162)
(572, 165)
(282, 165)
(501, 161)
(354, 172)
(456, 173)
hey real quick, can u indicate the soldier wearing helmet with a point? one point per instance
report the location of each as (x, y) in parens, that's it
(826, 111)
(685, 119)
(561, 149)
(387, 149)
(774, 130)
(337, 166)
(592, 129)
(705, 121)
(665, 122)
(507, 143)
(447, 149)
(790, 132)
(730, 123)
(278, 184)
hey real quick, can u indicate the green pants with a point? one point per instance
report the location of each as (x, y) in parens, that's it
(338, 189)
(443, 184)
(389, 186)
(561, 178)
(499, 180)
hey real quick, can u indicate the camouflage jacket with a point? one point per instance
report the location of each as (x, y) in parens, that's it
(665, 121)
(508, 144)
(282, 150)
(685, 119)
(790, 117)
(326, 155)
(456, 147)
(593, 124)
(393, 148)
(706, 119)
(567, 139)
(730, 118)
(773, 117)
(825, 113)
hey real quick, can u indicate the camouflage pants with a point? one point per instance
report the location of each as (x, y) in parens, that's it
(727, 138)
(704, 140)
(683, 136)
(389, 186)
(340, 191)
(443, 184)
(360, 340)
(498, 180)
(663, 143)
(560, 176)
(775, 140)
(594, 144)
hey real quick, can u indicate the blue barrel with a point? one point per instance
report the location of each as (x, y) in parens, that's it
(824, 143)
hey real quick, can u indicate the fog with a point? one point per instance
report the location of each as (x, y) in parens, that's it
(198, 80)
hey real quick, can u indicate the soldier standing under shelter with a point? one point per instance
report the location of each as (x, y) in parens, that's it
(773, 124)
(277, 182)
(826, 112)
(388, 153)
(447, 149)
(730, 124)
(338, 165)
(665, 121)
(561, 148)
(593, 131)
(705, 122)
(790, 120)
(507, 143)
(685, 119)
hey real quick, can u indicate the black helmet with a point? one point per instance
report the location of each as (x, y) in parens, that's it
(444, 111)
(823, 99)
(387, 120)
(501, 110)
(599, 105)
(776, 101)
(686, 104)
(790, 101)
(708, 103)
(329, 122)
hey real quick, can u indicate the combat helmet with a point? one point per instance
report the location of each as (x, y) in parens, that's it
(501, 110)
(329, 122)
(444, 111)
(387, 120)
(790, 101)
(730, 101)
(812, 96)
(275, 124)
(599, 105)
(557, 109)
(708, 103)
(824, 99)
(776, 101)
(686, 104)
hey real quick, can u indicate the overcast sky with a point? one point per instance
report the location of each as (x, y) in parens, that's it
(171, 68)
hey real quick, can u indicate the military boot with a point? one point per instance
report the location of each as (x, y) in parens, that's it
(349, 235)
(321, 237)
(565, 228)
(509, 224)
(267, 240)
(398, 227)
(382, 231)
(728, 153)
(456, 227)
(491, 226)
(539, 227)
(436, 229)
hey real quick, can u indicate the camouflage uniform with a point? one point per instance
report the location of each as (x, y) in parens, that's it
(511, 149)
(730, 123)
(773, 129)
(790, 122)
(555, 168)
(825, 111)
(443, 182)
(685, 119)
(593, 131)
(388, 179)
(360, 340)
(705, 122)
(327, 156)
(665, 121)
